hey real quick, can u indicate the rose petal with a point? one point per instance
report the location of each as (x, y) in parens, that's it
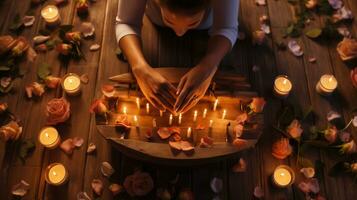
(87, 29)
(281, 148)
(67, 146)
(28, 20)
(265, 28)
(238, 130)
(332, 115)
(206, 141)
(5, 82)
(164, 133)
(295, 48)
(241, 166)
(354, 121)
(108, 90)
(115, 189)
(200, 127)
(20, 189)
(94, 47)
(91, 148)
(308, 172)
(216, 185)
(107, 169)
(97, 186)
(258, 192)
(240, 143)
(175, 145)
(40, 39)
(186, 146)
(83, 196)
(84, 78)
(78, 142)
(242, 118)
(261, 2)
(335, 4)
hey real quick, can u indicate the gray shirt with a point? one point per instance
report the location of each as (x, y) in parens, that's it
(221, 18)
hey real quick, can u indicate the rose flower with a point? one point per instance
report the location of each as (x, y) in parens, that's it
(10, 131)
(57, 111)
(138, 184)
(52, 81)
(257, 105)
(294, 129)
(347, 49)
(99, 107)
(281, 149)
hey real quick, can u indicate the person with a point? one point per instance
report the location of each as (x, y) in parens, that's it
(219, 16)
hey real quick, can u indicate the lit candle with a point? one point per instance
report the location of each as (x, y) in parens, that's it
(125, 110)
(195, 116)
(224, 114)
(71, 84)
(136, 120)
(161, 113)
(154, 123)
(56, 174)
(170, 120)
(189, 130)
(138, 103)
(51, 15)
(282, 86)
(147, 108)
(204, 113)
(49, 137)
(326, 85)
(210, 123)
(180, 118)
(215, 105)
(283, 176)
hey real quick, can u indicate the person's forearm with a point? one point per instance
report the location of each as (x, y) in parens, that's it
(131, 47)
(217, 48)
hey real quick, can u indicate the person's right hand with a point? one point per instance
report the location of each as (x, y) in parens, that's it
(157, 90)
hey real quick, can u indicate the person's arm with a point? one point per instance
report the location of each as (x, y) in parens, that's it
(157, 90)
(224, 32)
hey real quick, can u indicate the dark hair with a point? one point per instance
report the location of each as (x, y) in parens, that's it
(185, 6)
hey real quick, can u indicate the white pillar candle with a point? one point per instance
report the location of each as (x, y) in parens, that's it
(180, 118)
(215, 105)
(154, 123)
(282, 86)
(71, 84)
(51, 15)
(189, 130)
(137, 102)
(170, 119)
(195, 115)
(147, 108)
(125, 110)
(161, 113)
(210, 123)
(326, 85)
(224, 114)
(283, 176)
(136, 120)
(204, 113)
(49, 137)
(56, 174)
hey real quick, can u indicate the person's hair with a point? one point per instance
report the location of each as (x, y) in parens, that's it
(185, 6)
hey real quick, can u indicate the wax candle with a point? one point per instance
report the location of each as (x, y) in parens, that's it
(170, 119)
(51, 15)
(71, 84)
(283, 176)
(161, 113)
(326, 85)
(180, 118)
(154, 123)
(125, 110)
(204, 113)
(136, 120)
(282, 86)
(147, 108)
(49, 137)
(137, 102)
(224, 114)
(195, 115)
(215, 105)
(210, 123)
(189, 130)
(56, 174)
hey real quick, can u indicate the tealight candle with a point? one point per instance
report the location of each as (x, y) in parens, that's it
(210, 123)
(224, 114)
(71, 84)
(137, 103)
(282, 86)
(215, 105)
(170, 119)
(154, 123)
(326, 85)
(49, 137)
(180, 118)
(136, 120)
(125, 110)
(147, 108)
(51, 15)
(204, 113)
(161, 113)
(195, 116)
(56, 174)
(283, 176)
(189, 130)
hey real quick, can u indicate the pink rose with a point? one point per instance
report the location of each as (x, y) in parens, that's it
(294, 129)
(57, 111)
(354, 77)
(138, 184)
(257, 105)
(281, 149)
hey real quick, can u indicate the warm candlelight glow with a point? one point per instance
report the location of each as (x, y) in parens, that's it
(282, 86)
(180, 118)
(210, 123)
(147, 108)
(125, 110)
(215, 105)
(71, 84)
(170, 119)
(49, 137)
(137, 102)
(326, 85)
(51, 15)
(204, 113)
(56, 174)
(224, 114)
(283, 176)
(154, 123)
(189, 130)
(195, 116)
(136, 120)
(161, 113)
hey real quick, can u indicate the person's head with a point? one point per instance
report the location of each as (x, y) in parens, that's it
(182, 15)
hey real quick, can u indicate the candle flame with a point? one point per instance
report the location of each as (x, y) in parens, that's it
(282, 174)
(135, 118)
(330, 79)
(54, 173)
(46, 134)
(284, 82)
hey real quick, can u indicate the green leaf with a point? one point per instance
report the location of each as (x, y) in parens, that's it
(4, 68)
(26, 148)
(43, 71)
(313, 33)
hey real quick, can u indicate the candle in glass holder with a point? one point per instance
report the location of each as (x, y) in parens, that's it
(49, 137)
(51, 15)
(282, 86)
(326, 85)
(137, 102)
(204, 113)
(125, 110)
(71, 84)
(170, 119)
(147, 108)
(283, 176)
(56, 174)
(215, 105)
(210, 123)
(224, 114)
(195, 115)
(180, 118)
(136, 120)
(189, 130)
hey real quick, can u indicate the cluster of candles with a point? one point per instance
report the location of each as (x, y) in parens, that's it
(325, 86)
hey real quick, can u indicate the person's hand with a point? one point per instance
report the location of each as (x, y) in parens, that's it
(193, 86)
(157, 90)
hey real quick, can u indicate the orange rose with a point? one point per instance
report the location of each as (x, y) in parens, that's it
(99, 106)
(138, 184)
(52, 82)
(257, 105)
(294, 129)
(347, 49)
(281, 149)
(57, 111)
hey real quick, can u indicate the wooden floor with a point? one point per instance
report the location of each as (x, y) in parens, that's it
(162, 48)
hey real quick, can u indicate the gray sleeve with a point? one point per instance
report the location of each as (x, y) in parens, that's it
(225, 19)
(129, 17)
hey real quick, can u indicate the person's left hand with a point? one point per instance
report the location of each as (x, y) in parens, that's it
(193, 86)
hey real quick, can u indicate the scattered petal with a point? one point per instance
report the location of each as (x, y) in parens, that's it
(349, 147)
(107, 169)
(281, 148)
(308, 172)
(40, 39)
(241, 166)
(122, 121)
(265, 28)
(312, 59)
(354, 121)
(242, 118)
(67, 146)
(216, 185)
(94, 47)
(164, 133)
(238, 130)
(52, 82)
(186, 146)
(99, 106)
(257, 104)
(240, 143)
(20, 189)
(294, 129)
(5, 82)
(336, 4)
(115, 189)
(78, 142)
(295, 48)
(97, 186)
(200, 127)
(258, 192)
(310, 185)
(343, 31)
(264, 19)
(10, 131)
(84, 78)
(354, 83)
(3, 107)
(28, 20)
(83, 196)
(206, 141)
(108, 90)
(91, 148)
(310, 4)
(342, 14)
(347, 49)
(87, 29)
(261, 2)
